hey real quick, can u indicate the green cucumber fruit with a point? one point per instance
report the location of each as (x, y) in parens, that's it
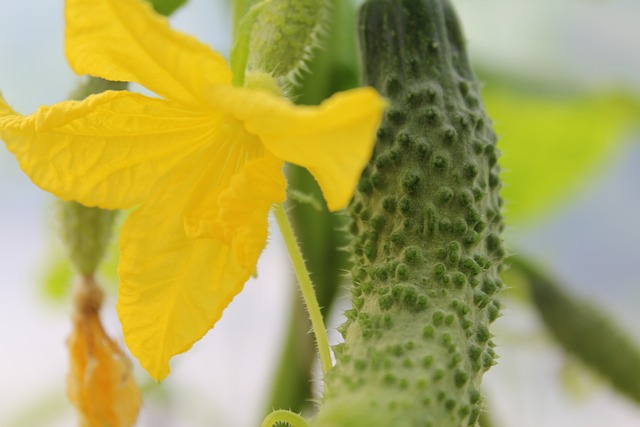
(426, 221)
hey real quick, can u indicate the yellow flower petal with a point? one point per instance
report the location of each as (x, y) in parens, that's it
(232, 149)
(106, 150)
(172, 288)
(125, 40)
(334, 140)
(239, 216)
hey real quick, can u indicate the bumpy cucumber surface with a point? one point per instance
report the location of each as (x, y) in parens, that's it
(426, 226)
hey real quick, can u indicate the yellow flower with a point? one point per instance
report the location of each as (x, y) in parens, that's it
(204, 163)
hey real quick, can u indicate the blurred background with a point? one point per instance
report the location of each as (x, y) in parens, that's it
(562, 84)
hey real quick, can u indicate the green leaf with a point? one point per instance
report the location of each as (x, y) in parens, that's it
(166, 7)
(552, 144)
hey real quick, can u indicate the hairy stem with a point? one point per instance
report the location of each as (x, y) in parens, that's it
(306, 287)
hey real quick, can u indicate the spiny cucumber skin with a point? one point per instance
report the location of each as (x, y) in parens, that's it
(426, 226)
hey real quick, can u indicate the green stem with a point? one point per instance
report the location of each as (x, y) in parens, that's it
(240, 7)
(282, 416)
(305, 287)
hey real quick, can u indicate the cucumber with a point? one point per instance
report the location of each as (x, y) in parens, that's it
(426, 223)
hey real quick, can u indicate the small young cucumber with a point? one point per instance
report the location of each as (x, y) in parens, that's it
(426, 226)
(284, 36)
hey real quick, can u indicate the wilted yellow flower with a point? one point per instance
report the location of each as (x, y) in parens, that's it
(100, 383)
(204, 163)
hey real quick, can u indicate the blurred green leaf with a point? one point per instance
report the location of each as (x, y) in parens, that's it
(552, 144)
(585, 331)
(166, 7)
